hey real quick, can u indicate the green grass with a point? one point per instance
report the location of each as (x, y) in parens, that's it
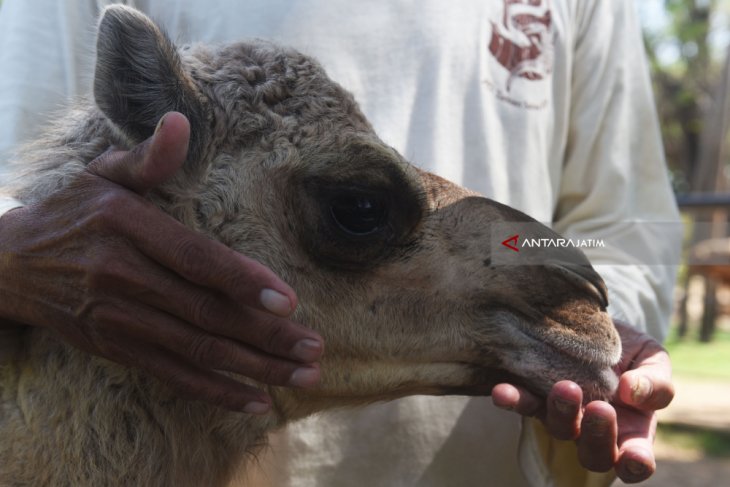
(708, 442)
(693, 359)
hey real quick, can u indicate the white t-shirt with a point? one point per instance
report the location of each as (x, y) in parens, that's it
(544, 105)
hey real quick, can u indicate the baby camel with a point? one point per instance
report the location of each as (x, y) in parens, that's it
(395, 267)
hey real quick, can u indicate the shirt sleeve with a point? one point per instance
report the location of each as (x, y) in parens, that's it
(7, 204)
(615, 186)
(46, 57)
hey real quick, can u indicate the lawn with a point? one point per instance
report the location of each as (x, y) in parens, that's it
(697, 361)
(703, 441)
(693, 359)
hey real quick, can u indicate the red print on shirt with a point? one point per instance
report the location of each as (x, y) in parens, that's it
(522, 41)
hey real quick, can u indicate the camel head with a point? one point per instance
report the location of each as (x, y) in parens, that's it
(394, 266)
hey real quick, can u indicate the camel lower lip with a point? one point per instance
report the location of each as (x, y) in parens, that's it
(579, 351)
(525, 369)
(602, 387)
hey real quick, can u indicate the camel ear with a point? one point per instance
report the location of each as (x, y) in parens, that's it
(139, 77)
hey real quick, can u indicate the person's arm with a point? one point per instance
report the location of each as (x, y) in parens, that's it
(29, 90)
(615, 184)
(109, 272)
(615, 179)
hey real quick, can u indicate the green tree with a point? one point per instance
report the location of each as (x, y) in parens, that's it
(684, 86)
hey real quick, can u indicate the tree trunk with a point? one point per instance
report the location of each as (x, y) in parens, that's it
(709, 176)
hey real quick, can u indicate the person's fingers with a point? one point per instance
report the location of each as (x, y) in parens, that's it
(209, 263)
(636, 460)
(189, 254)
(151, 162)
(207, 351)
(270, 334)
(517, 399)
(563, 416)
(644, 386)
(190, 382)
(218, 314)
(648, 386)
(636, 463)
(597, 449)
(206, 310)
(645, 371)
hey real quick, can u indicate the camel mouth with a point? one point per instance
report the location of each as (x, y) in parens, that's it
(597, 383)
(565, 310)
(548, 361)
(536, 353)
(601, 385)
(576, 328)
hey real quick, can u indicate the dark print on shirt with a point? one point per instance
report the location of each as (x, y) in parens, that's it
(522, 43)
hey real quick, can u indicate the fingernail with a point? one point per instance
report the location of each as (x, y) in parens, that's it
(636, 468)
(504, 407)
(256, 408)
(275, 302)
(307, 350)
(563, 406)
(160, 123)
(641, 390)
(304, 377)
(598, 426)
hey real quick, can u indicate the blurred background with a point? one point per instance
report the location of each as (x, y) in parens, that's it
(688, 47)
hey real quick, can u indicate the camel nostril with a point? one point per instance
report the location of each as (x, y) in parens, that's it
(584, 277)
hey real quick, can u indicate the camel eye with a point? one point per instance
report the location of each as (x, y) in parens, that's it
(359, 214)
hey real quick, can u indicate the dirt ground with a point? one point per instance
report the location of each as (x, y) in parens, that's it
(705, 472)
(701, 404)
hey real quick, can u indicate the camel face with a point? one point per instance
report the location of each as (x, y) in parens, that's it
(415, 304)
(392, 265)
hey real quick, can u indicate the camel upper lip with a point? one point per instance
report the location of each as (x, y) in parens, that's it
(583, 277)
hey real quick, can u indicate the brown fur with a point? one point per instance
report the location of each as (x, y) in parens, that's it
(413, 308)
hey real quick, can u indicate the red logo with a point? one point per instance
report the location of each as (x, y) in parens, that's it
(513, 239)
(522, 41)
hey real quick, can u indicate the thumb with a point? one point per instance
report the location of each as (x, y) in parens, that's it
(151, 162)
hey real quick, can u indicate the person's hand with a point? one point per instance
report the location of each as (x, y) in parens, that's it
(113, 275)
(618, 435)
